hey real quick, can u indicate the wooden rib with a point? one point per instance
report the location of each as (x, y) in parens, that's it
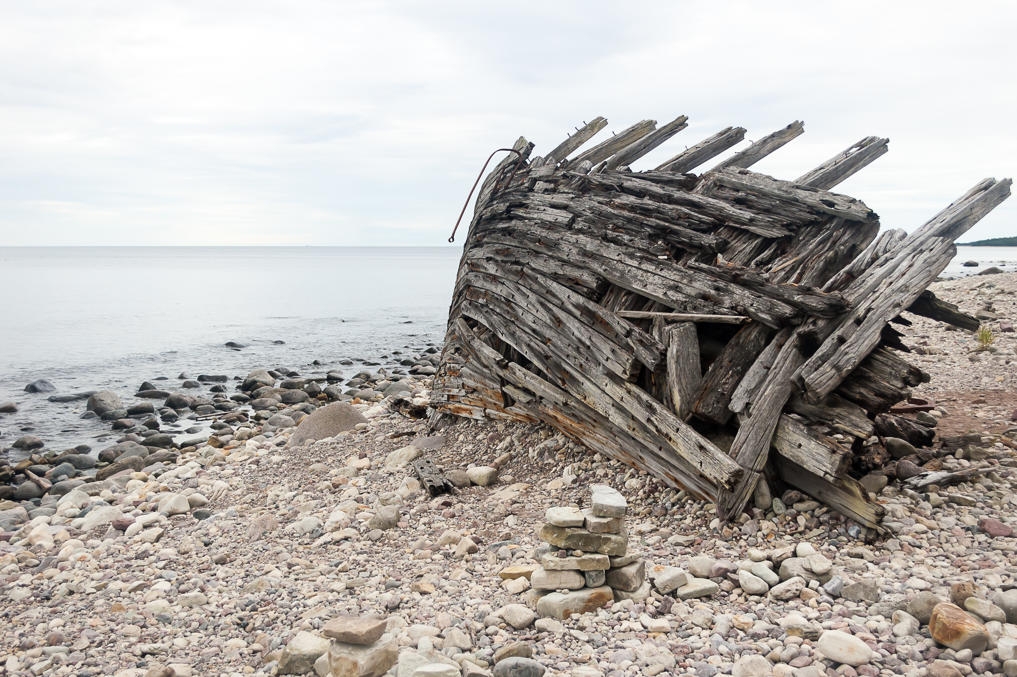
(760, 149)
(843, 165)
(641, 147)
(798, 443)
(609, 147)
(705, 150)
(573, 142)
(931, 306)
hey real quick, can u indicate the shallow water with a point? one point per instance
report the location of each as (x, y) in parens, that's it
(90, 318)
(1004, 258)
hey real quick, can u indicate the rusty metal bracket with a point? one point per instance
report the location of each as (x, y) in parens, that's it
(452, 237)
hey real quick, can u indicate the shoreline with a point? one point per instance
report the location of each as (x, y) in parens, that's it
(227, 560)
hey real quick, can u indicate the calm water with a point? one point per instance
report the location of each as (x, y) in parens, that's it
(1004, 258)
(108, 318)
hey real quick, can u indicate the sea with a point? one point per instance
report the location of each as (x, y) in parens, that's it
(108, 318)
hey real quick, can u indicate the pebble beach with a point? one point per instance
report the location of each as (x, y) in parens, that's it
(293, 537)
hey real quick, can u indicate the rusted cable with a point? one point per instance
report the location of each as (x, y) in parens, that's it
(452, 237)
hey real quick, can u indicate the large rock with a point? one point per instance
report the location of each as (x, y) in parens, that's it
(953, 627)
(573, 538)
(103, 402)
(844, 648)
(299, 655)
(326, 422)
(8, 408)
(360, 630)
(257, 378)
(1007, 601)
(584, 562)
(354, 660)
(629, 577)
(921, 605)
(752, 666)
(134, 463)
(562, 605)
(40, 386)
(564, 517)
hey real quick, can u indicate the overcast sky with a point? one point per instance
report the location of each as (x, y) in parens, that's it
(297, 122)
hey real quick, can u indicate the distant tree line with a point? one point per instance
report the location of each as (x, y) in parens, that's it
(992, 242)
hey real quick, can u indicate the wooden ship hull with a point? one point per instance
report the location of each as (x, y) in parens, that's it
(716, 330)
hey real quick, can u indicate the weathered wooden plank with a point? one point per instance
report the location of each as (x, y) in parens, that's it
(681, 317)
(845, 495)
(931, 306)
(760, 149)
(799, 444)
(846, 163)
(705, 150)
(683, 372)
(641, 147)
(574, 141)
(609, 147)
(837, 414)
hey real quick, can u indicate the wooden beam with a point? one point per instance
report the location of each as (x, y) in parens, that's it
(641, 147)
(846, 163)
(609, 147)
(681, 317)
(574, 141)
(705, 150)
(799, 444)
(760, 149)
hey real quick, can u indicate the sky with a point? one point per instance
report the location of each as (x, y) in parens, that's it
(299, 122)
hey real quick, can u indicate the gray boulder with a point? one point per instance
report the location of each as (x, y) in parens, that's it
(40, 386)
(103, 402)
(326, 422)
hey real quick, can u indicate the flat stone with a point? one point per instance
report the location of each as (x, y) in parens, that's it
(789, 589)
(437, 670)
(514, 650)
(953, 627)
(353, 660)
(984, 609)
(360, 630)
(595, 579)
(602, 525)
(586, 562)
(564, 517)
(542, 579)
(844, 648)
(629, 577)
(174, 504)
(517, 666)
(697, 587)
(606, 501)
(398, 459)
(898, 448)
(667, 579)
(573, 538)
(563, 605)
(638, 595)
(517, 571)
(993, 527)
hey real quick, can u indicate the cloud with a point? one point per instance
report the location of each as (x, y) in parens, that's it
(365, 122)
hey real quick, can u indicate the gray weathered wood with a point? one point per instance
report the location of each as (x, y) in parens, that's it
(609, 147)
(683, 372)
(843, 165)
(760, 149)
(574, 141)
(641, 147)
(705, 150)
(681, 317)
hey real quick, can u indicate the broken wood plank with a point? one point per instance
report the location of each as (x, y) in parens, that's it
(641, 147)
(845, 495)
(931, 306)
(796, 442)
(609, 147)
(705, 150)
(573, 142)
(843, 165)
(681, 317)
(726, 372)
(760, 149)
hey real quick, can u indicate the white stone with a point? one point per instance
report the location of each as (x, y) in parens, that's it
(542, 579)
(482, 475)
(701, 566)
(789, 589)
(174, 504)
(752, 584)
(400, 457)
(564, 517)
(436, 670)
(606, 501)
(667, 579)
(100, 517)
(752, 666)
(697, 587)
(844, 648)
(517, 615)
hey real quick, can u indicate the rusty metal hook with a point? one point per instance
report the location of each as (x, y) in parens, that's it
(452, 237)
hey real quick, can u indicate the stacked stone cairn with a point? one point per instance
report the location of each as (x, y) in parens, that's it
(352, 646)
(586, 564)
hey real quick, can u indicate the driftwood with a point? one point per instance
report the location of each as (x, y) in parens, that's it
(655, 316)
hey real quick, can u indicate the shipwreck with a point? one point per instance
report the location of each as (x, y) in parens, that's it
(726, 331)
